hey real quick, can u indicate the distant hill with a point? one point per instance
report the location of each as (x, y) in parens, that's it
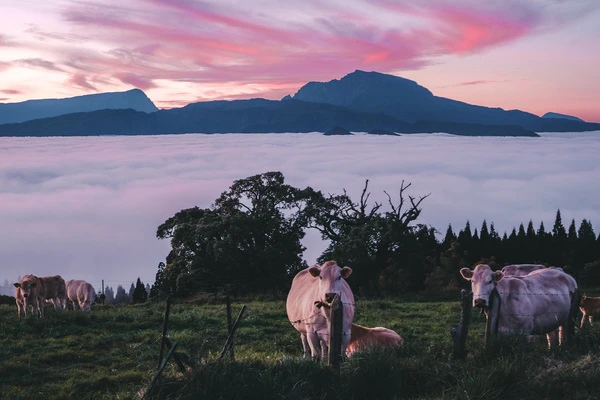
(359, 102)
(564, 116)
(44, 108)
(409, 102)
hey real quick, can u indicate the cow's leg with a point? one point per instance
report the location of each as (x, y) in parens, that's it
(583, 320)
(591, 318)
(313, 342)
(345, 340)
(324, 351)
(305, 346)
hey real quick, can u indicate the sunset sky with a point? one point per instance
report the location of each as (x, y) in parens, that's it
(533, 55)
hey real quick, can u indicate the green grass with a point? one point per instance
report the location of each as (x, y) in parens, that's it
(112, 353)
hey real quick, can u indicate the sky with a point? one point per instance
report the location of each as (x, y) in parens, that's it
(532, 55)
(88, 207)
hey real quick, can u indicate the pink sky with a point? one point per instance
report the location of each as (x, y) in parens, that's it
(533, 55)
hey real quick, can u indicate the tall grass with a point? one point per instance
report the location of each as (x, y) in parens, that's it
(112, 353)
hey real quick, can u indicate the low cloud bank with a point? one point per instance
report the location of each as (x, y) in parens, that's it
(88, 207)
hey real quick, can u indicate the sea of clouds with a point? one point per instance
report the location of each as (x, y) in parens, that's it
(88, 207)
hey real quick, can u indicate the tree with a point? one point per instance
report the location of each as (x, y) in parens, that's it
(110, 295)
(249, 240)
(121, 296)
(368, 241)
(139, 294)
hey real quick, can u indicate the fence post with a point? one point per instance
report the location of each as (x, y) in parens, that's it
(575, 300)
(233, 328)
(164, 331)
(230, 326)
(493, 317)
(459, 334)
(336, 330)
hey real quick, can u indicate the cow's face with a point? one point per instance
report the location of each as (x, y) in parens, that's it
(26, 287)
(483, 280)
(329, 277)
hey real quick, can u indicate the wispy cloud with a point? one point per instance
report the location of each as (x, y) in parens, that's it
(90, 206)
(39, 63)
(10, 91)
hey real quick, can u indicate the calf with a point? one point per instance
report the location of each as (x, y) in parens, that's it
(33, 293)
(363, 338)
(589, 306)
(81, 293)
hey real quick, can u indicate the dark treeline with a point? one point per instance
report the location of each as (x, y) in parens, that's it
(249, 241)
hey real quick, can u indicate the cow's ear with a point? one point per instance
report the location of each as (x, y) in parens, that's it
(466, 273)
(346, 272)
(314, 271)
(17, 284)
(498, 275)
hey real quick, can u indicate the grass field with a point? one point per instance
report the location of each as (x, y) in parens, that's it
(112, 353)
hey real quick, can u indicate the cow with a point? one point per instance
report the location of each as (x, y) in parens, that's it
(81, 293)
(307, 305)
(364, 338)
(56, 291)
(521, 269)
(533, 304)
(31, 288)
(589, 306)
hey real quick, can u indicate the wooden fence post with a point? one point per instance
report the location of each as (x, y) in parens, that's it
(230, 326)
(230, 336)
(459, 334)
(164, 331)
(336, 330)
(575, 300)
(493, 317)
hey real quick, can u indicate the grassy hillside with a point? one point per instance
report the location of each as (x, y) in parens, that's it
(111, 353)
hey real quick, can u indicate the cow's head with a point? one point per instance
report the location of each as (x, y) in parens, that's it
(483, 280)
(26, 285)
(329, 277)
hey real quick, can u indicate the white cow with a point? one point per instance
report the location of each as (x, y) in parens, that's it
(81, 293)
(312, 291)
(533, 304)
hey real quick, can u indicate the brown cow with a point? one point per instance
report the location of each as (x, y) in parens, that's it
(589, 306)
(56, 291)
(363, 338)
(33, 292)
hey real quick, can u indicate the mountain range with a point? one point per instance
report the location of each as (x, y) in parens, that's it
(359, 102)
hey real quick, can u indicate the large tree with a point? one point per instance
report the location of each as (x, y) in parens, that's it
(250, 239)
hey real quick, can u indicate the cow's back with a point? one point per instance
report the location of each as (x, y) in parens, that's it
(300, 303)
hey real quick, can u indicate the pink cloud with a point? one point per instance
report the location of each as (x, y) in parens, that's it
(135, 80)
(10, 91)
(79, 80)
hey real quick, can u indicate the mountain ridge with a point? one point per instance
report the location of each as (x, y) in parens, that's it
(44, 108)
(360, 102)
